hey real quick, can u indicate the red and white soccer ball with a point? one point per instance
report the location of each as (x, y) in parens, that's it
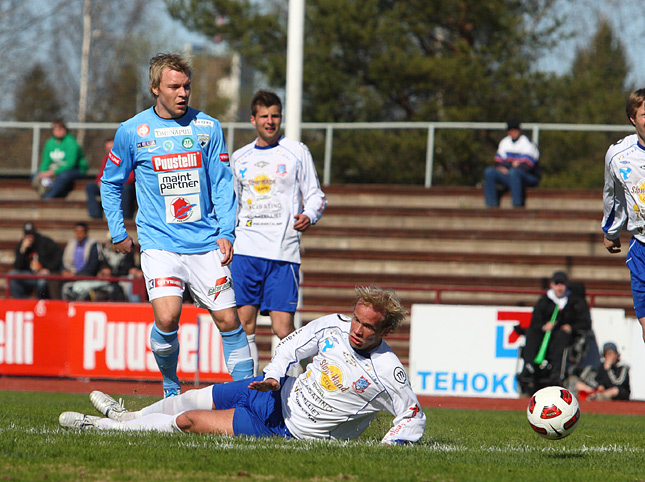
(553, 412)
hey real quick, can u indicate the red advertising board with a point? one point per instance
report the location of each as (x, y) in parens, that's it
(102, 340)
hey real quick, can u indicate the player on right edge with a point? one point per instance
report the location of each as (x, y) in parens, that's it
(624, 199)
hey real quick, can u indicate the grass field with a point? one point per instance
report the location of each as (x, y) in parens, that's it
(459, 445)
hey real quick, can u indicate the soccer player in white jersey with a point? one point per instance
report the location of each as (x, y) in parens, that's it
(278, 198)
(624, 199)
(186, 217)
(352, 376)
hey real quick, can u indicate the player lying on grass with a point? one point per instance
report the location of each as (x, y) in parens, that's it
(353, 375)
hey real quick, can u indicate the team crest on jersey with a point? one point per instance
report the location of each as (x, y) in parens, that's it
(203, 139)
(183, 209)
(281, 170)
(168, 145)
(625, 172)
(143, 130)
(360, 385)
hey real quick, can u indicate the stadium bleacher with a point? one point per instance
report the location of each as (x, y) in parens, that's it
(438, 244)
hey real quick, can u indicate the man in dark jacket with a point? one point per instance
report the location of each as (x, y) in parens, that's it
(609, 381)
(35, 254)
(564, 315)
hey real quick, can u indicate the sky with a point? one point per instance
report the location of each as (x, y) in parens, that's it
(627, 17)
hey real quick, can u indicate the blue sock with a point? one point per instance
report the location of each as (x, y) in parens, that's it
(237, 353)
(165, 347)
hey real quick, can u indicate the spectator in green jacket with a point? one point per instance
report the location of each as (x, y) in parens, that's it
(62, 163)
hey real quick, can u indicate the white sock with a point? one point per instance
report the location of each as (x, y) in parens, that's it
(158, 422)
(254, 353)
(198, 399)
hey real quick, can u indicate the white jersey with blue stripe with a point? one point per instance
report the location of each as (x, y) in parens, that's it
(183, 182)
(341, 390)
(624, 190)
(273, 184)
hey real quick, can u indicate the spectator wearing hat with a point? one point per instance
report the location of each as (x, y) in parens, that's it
(609, 381)
(516, 167)
(35, 254)
(563, 313)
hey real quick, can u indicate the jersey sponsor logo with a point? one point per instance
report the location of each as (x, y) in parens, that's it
(331, 378)
(360, 385)
(262, 184)
(187, 143)
(625, 172)
(116, 160)
(203, 122)
(171, 162)
(222, 284)
(183, 209)
(178, 183)
(223, 157)
(165, 283)
(143, 130)
(639, 190)
(144, 144)
(168, 145)
(400, 376)
(174, 131)
(281, 170)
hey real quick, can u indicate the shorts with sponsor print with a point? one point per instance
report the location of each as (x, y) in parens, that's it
(257, 414)
(168, 274)
(636, 264)
(272, 285)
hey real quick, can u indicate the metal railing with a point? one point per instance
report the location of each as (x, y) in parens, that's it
(329, 128)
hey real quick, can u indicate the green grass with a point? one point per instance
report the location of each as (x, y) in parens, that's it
(459, 445)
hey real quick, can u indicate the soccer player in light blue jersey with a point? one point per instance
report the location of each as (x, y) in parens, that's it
(186, 217)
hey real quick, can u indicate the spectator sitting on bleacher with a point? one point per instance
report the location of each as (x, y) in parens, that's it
(93, 191)
(566, 315)
(35, 254)
(609, 381)
(100, 289)
(121, 264)
(81, 254)
(63, 162)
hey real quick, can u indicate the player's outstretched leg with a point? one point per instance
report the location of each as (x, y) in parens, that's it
(77, 420)
(165, 347)
(109, 407)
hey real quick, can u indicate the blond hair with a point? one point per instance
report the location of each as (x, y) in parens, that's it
(383, 301)
(167, 61)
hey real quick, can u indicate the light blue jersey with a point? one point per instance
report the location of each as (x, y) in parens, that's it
(183, 181)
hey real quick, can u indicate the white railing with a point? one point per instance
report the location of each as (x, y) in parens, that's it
(429, 127)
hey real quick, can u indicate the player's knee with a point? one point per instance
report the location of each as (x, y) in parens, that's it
(283, 331)
(185, 422)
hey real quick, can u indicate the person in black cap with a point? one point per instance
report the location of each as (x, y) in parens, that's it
(35, 254)
(565, 315)
(516, 167)
(609, 381)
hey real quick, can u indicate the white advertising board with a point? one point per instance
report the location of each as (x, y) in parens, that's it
(473, 350)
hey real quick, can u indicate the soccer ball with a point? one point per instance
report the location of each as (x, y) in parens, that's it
(553, 412)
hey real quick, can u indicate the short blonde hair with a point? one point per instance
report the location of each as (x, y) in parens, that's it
(383, 301)
(167, 61)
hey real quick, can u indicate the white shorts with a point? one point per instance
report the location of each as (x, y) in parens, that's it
(167, 274)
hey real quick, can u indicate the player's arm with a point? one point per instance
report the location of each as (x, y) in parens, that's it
(222, 183)
(313, 198)
(409, 420)
(117, 170)
(614, 209)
